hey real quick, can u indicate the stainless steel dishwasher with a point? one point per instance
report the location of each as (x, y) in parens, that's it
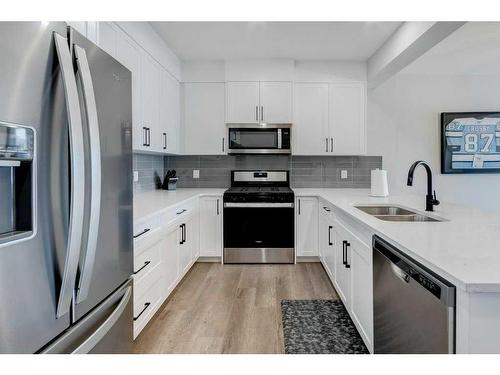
(413, 308)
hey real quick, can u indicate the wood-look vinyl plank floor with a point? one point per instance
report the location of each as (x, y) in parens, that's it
(231, 308)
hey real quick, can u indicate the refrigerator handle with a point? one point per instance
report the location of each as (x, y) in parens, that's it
(77, 194)
(95, 168)
(93, 339)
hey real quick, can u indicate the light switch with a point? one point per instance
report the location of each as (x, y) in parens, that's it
(343, 174)
(196, 173)
(136, 176)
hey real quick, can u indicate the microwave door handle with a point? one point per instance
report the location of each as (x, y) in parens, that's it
(280, 139)
(77, 160)
(95, 168)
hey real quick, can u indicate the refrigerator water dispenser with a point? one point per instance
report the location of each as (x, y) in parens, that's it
(16, 181)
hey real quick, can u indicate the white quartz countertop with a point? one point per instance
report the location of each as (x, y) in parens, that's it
(464, 250)
(151, 203)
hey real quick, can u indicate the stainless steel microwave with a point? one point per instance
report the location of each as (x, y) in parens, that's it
(259, 138)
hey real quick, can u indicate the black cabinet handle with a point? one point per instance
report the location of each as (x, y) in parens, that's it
(146, 305)
(146, 263)
(326, 209)
(143, 232)
(299, 206)
(164, 141)
(217, 207)
(182, 234)
(347, 265)
(344, 242)
(181, 211)
(330, 235)
(222, 144)
(145, 136)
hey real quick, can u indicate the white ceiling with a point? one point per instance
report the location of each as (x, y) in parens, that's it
(275, 40)
(472, 49)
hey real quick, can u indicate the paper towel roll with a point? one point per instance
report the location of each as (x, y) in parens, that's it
(379, 183)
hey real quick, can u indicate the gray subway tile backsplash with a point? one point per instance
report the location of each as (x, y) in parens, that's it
(147, 166)
(305, 171)
(215, 171)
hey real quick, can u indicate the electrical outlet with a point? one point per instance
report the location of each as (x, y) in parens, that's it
(196, 173)
(343, 174)
(136, 176)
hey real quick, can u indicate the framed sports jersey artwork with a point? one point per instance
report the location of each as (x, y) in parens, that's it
(470, 142)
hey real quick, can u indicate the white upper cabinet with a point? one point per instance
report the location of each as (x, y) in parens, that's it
(155, 93)
(242, 102)
(310, 130)
(276, 102)
(203, 118)
(129, 54)
(253, 102)
(170, 118)
(108, 38)
(150, 103)
(329, 119)
(347, 118)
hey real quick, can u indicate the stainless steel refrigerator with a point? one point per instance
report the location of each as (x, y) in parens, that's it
(65, 193)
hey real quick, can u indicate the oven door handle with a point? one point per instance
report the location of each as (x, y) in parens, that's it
(258, 205)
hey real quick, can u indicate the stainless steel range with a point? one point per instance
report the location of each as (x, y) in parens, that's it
(259, 218)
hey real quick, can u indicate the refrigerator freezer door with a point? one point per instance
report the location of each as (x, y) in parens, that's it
(31, 269)
(113, 259)
(107, 329)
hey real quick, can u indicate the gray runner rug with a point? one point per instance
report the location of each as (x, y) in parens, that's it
(319, 327)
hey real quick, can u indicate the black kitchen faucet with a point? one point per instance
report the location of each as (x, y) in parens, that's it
(430, 199)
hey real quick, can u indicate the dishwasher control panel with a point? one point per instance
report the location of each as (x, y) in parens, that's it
(425, 282)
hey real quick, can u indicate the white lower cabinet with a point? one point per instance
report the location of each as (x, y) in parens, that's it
(327, 240)
(170, 258)
(346, 256)
(353, 278)
(306, 218)
(188, 243)
(211, 226)
(342, 264)
(165, 248)
(362, 291)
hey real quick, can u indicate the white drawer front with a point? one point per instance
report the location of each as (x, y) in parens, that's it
(142, 226)
(143, 284)
(147, 240)
(180, 211)
(145, 306)
(146, 260)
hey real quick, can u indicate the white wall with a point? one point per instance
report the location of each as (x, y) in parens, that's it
(273, 70)
(404, 125)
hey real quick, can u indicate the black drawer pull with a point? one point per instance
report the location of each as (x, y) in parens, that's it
(146, 305)
(326, 209)
(146, 263)
(330, 243)
(181, 211)
(143, 232)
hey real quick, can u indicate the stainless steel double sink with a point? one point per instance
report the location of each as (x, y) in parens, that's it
(395, 213)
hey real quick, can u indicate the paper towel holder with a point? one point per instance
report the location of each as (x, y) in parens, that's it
(379, 185)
